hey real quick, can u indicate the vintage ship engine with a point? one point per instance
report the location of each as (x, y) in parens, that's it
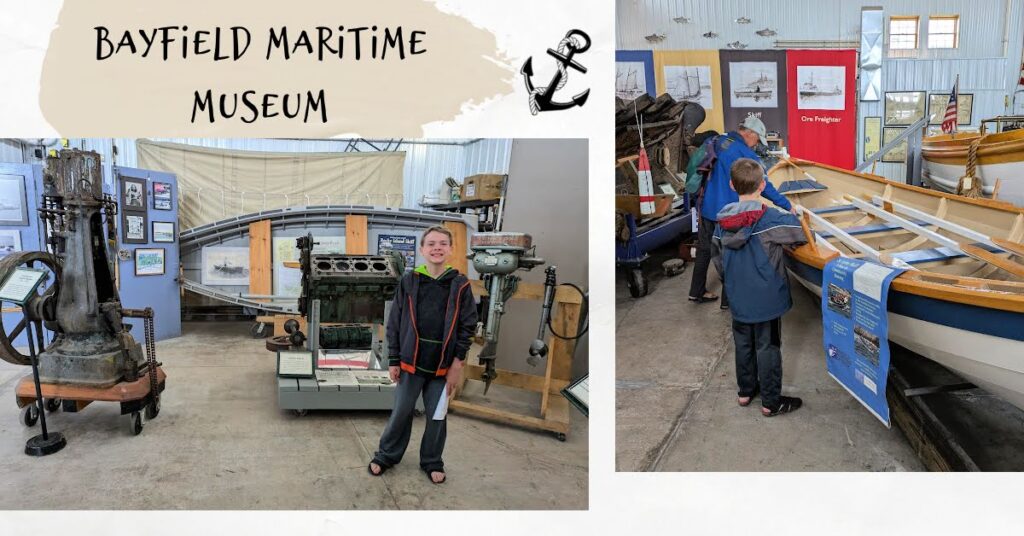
(79, 302)
(351, 291)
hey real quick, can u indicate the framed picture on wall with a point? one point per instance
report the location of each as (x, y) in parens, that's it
(13, 205)
(149, 261)
(904, 108)
(899, 153)
(133, 194)
(225, 265)
(133, 227)
(937, 108)
(872, 135)
(162, 195)
(10, 242)
(163, 231)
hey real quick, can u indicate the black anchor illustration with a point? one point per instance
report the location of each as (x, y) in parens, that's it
(541, 98)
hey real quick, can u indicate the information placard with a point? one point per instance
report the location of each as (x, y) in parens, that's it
(856, 329)
(295, 364)
(20, 285)
(578, 394)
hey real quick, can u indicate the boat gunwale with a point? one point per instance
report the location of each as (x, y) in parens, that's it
(911, 281)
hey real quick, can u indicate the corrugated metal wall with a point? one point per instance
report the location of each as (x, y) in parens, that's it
(987, 59)
(427, 162)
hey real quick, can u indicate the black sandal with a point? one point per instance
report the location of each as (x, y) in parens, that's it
(787, 404)
(702, 299)
(383, 467)
(430, 477)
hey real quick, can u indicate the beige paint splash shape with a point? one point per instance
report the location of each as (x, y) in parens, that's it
(127, 95)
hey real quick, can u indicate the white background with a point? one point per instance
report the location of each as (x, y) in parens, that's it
(633, 504)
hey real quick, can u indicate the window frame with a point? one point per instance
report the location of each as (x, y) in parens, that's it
(917, 30)
(956, 30)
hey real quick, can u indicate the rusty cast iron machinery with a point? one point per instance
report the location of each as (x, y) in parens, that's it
(81, 305)
(496, 256)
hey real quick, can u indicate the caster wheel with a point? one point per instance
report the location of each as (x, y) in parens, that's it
(152, 410)
(258, 330)
(52, 404)
(135, 423)
(560, 436)
(29, 415)
(300, 412)
(636, 281)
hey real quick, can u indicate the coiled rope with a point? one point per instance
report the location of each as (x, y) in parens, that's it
(562, 80)
(970, 184)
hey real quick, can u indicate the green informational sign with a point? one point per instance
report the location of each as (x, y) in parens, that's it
(21, 284)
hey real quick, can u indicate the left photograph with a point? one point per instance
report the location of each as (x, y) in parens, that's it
(275, 324)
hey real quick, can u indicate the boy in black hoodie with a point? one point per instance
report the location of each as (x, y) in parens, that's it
(748, 251)
(432, 318)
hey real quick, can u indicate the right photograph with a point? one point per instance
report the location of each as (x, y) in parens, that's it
(819, 236)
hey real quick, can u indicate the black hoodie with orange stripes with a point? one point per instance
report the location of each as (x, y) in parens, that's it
(431, 322)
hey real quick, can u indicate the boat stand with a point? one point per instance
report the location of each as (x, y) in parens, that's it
(553, 413)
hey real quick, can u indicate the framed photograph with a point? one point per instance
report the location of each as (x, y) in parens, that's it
(10, 242)
(163, 231)
(161, 190)
(872, 135)
(903, 108)
(899, 153)
(690, 83)
(821, 87)
(149, 261)
(937, 108)
(133, 194)
(13, 205)
(162, 204)
(225, 265)
(133, 227)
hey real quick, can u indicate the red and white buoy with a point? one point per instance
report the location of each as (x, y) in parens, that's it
(646, 183)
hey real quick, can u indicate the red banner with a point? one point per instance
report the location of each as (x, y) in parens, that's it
(822, 100)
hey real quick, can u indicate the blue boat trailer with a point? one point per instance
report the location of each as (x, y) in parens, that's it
(631, 253)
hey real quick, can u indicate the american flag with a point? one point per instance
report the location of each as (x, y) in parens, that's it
(949, 120)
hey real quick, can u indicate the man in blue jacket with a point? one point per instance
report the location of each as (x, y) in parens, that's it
(717, 193)
(748, 251)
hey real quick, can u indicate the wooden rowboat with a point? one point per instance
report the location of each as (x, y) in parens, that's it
(961, 302)
(1000, 158)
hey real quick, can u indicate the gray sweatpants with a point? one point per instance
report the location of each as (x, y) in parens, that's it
(396, 435)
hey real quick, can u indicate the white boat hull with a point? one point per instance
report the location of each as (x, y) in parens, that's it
(993, 363)
(945, 177)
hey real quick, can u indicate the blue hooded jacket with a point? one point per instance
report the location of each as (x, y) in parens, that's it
(748, 251)
(717, 192)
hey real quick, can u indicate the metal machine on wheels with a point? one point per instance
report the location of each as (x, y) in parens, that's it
(91, 357)
(337, 360)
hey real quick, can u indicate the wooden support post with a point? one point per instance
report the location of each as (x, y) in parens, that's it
(356, 235)
(260, 258)
(459, 246)
(554, 409)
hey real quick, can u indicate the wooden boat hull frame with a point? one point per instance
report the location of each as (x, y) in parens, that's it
(965, 324)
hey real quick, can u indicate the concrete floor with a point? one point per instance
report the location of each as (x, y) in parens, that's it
(220, 442)
(676, 394)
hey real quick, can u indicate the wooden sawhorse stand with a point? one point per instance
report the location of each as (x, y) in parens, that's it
(553, 415)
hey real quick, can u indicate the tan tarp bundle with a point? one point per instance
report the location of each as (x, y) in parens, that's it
(214, 184)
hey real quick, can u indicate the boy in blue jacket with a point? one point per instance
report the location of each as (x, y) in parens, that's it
(748, 251)
(429, 330)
